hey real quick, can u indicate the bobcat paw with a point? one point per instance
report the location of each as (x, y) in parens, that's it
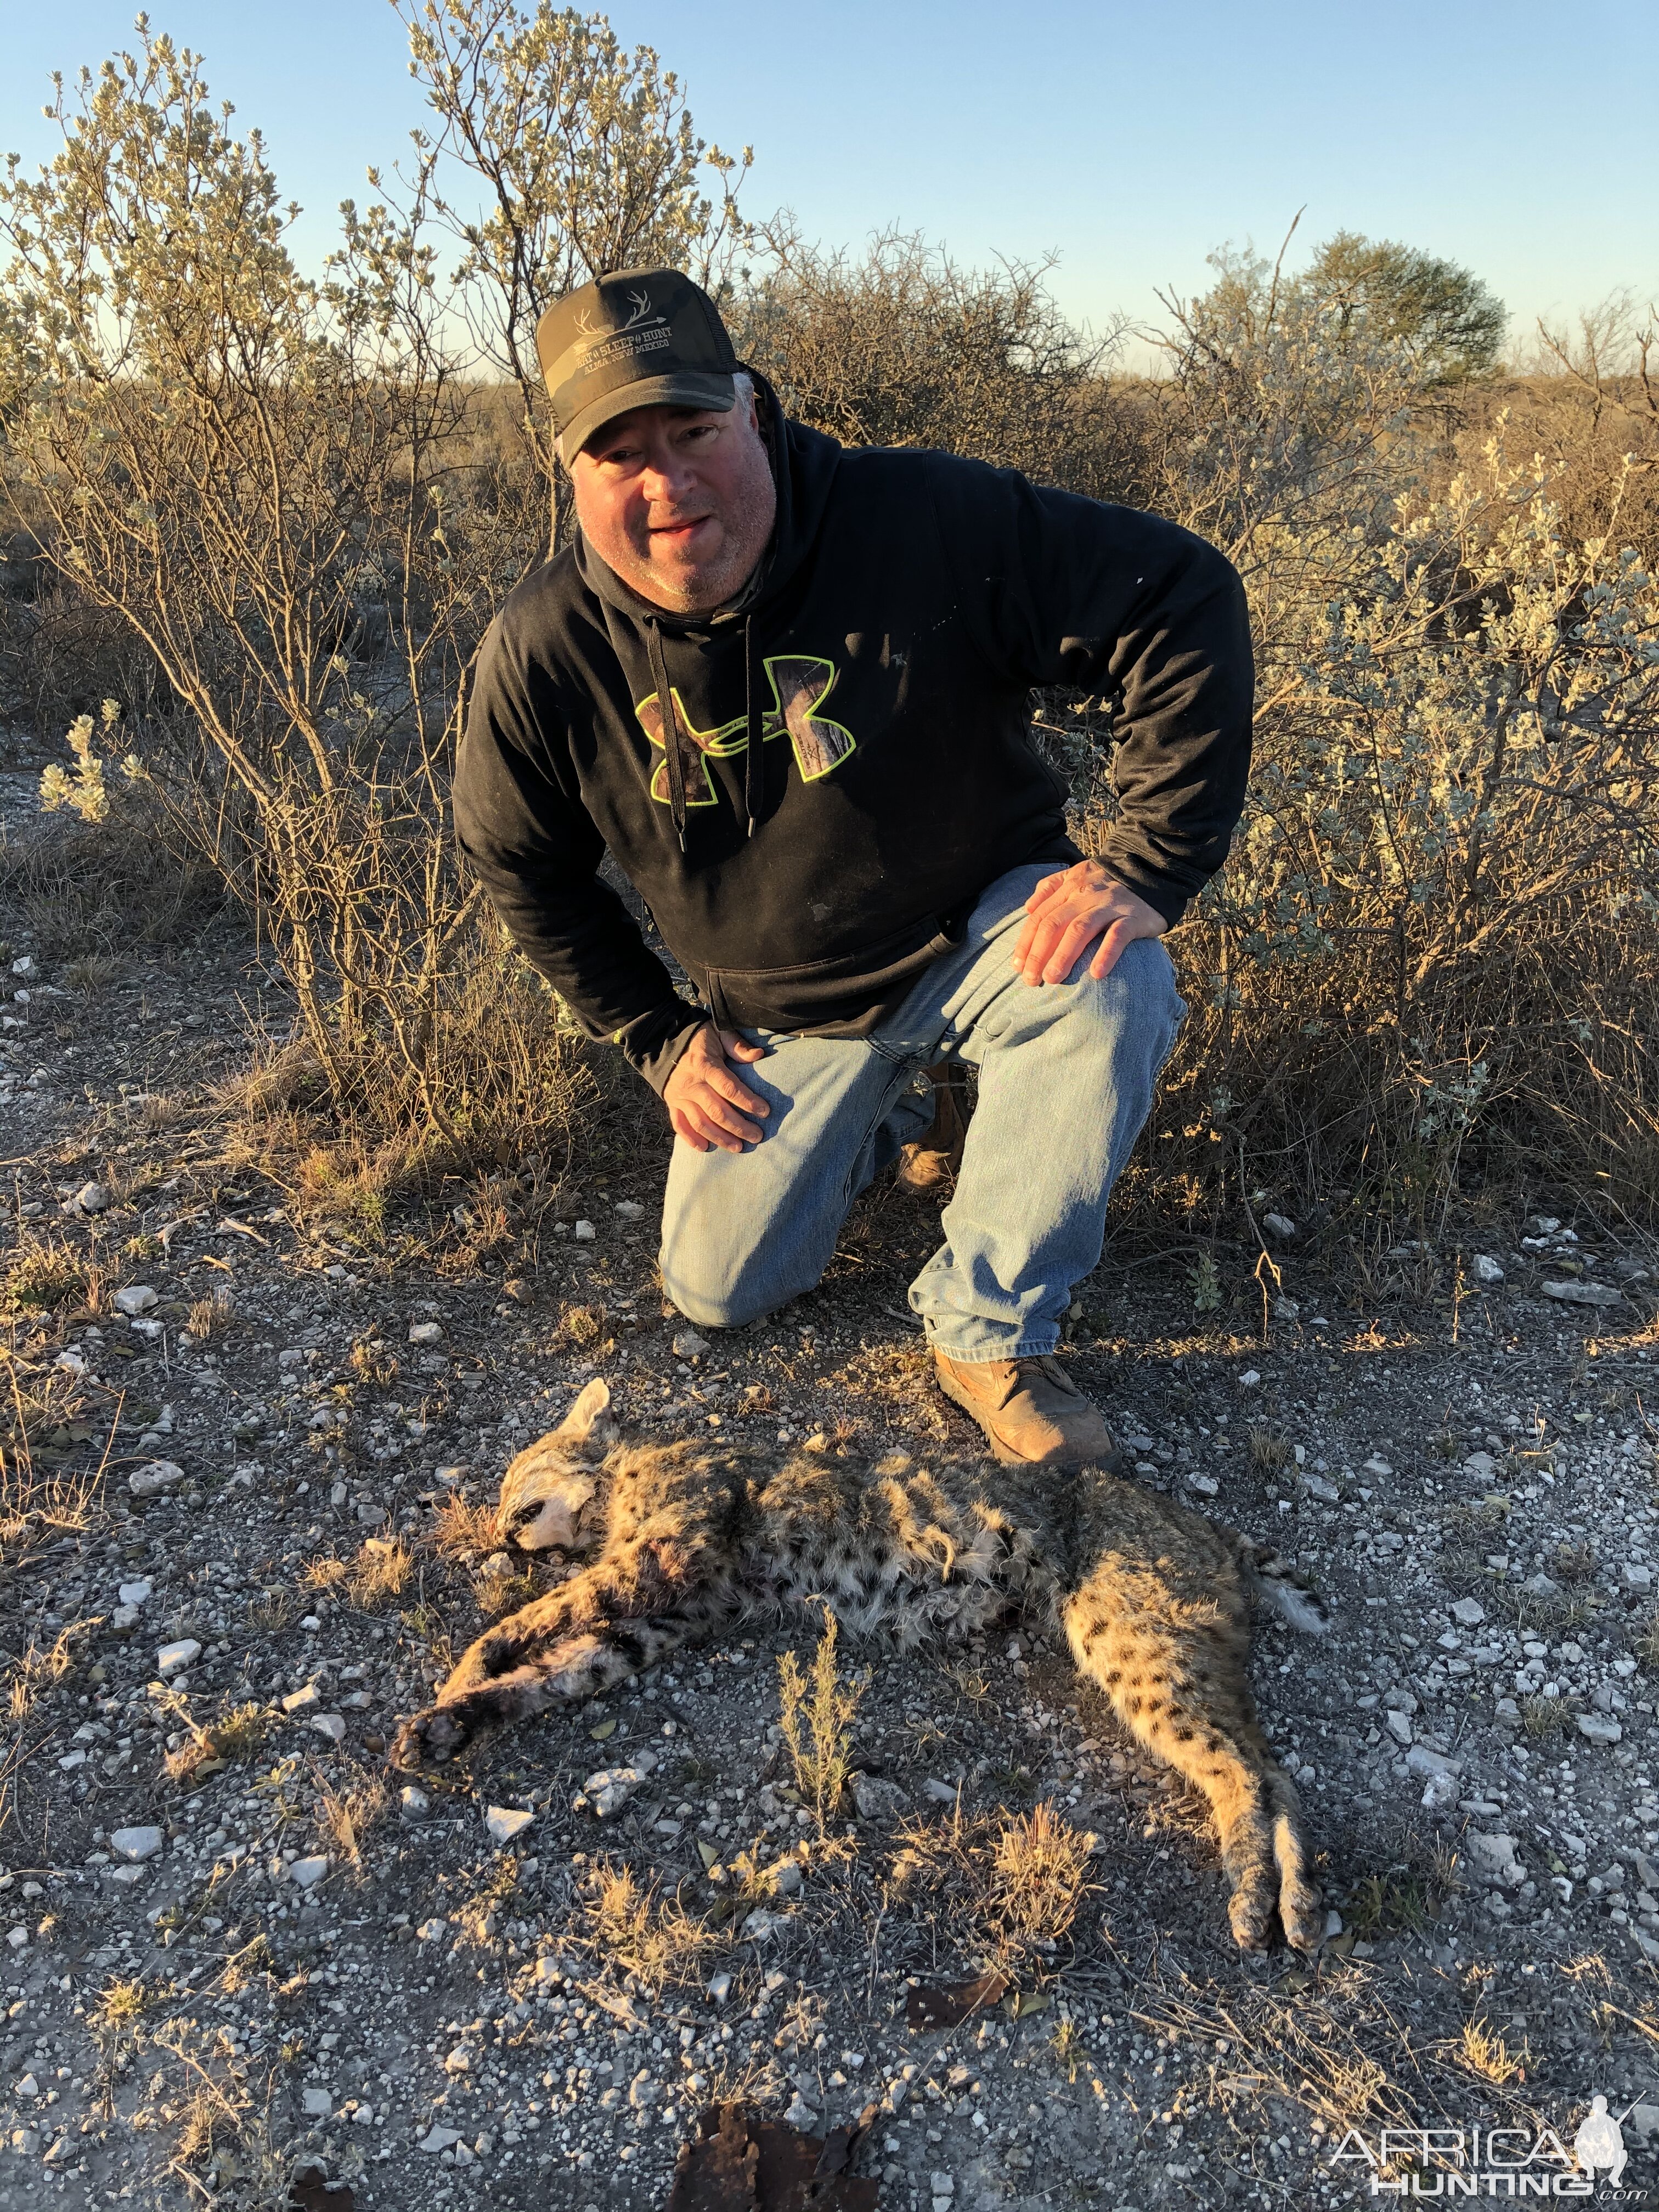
(432, 1736)
(1251, 1907)
(1301, 1910)
(1266, 1866)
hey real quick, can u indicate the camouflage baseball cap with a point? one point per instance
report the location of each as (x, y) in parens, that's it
(642, 337)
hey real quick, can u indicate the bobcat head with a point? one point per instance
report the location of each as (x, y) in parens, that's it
(547, 1491)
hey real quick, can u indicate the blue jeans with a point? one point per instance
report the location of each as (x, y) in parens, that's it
(1066, 1073)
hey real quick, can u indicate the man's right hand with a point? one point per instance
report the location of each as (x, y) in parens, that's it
(706, 1103)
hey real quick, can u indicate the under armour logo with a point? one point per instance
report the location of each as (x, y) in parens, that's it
(800, 684)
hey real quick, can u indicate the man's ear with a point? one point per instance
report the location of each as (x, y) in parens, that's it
(588, 1422)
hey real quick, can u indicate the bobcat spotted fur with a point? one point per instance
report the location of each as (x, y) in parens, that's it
(689, 1541)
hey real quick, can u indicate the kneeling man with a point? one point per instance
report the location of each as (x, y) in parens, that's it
(786, 685)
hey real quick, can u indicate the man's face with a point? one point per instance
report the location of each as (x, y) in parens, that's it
(680, 505)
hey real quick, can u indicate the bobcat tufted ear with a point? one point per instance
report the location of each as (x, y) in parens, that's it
(589, 1422)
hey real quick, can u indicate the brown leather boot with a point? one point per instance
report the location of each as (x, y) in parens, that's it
(934, 1158)
(1030, 1411)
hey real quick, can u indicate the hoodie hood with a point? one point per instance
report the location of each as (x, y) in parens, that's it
(804, 465)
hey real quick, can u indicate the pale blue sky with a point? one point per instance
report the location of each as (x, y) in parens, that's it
(1133, 140)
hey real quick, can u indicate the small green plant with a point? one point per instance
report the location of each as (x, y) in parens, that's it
(1205, 1278)
(120, 2005)
(239, 1733)
(816, 1716)
(44, 1276)
(1386, 1903)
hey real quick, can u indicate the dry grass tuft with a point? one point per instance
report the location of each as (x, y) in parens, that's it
(117, 2006)
(370, 1361)
(816, 1716)
(379, 1572)
(45, 1274)
(461, 1530)
(1283, 2053)
(91, 972)
(643, 1934)
(215, 1744)
(586, 1327)
(271, 1612)
(1270, 1453)
(292, 1080)
(500, 1586)
(1482, 2052)
(353, 1179)
(36, 1506)
(1406, 1893)
(1040, 1876)
(243, 1968)
(324, 1574)
(347, 1814)
(38, 1670)
(212, 1315)
(239, 1733)
(1020, 1880)
(485, 1224)
(1543, 1718)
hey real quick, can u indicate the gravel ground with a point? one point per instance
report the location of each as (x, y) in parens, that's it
(235, 1942)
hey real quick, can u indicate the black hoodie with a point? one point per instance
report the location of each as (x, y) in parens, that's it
(854, 764)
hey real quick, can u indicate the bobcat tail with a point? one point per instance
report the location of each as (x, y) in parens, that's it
(1278, 1586)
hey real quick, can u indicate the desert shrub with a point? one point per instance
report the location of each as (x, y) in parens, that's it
(243, 464)
(904, 346)
(289, 493)
(589, 162)
(1436, 933)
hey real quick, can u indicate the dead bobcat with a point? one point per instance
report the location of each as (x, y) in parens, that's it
(1153, 1600)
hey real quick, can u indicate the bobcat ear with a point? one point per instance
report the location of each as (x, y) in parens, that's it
(588, 1420)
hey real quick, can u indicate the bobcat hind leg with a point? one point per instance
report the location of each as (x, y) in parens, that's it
(1178, 1689)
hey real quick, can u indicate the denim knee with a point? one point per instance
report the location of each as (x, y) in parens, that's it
(713, 1285)
(718, 1307)
(1136, 1010)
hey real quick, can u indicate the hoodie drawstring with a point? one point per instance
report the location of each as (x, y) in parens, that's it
(754, 762)
(671, 728)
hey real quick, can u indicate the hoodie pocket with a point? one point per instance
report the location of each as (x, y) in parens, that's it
(845, 988)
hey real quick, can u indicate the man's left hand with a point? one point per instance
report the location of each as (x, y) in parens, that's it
(1069, 912)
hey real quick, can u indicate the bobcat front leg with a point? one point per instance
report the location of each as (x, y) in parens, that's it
(1173, 1666)
(613, 1620)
